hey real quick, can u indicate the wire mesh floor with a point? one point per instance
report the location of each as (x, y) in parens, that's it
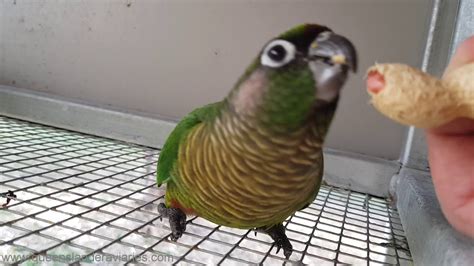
(83, 199)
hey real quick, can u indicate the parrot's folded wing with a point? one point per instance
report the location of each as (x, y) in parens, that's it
(169, 152)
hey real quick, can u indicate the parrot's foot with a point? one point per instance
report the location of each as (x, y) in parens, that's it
(277, 233)
(177, 219)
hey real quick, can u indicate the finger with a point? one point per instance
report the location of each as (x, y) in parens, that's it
(463, 55)
(451, 153)
(450, 159)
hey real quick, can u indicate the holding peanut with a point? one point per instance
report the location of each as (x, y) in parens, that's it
(412, 97)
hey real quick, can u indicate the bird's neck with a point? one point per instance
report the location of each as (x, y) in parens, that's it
(280, 101)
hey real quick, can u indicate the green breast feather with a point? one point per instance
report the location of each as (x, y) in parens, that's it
(169, 152)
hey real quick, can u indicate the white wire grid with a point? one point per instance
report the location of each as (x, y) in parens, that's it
(83, 199)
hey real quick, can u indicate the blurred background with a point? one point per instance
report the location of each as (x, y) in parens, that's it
(164, 58)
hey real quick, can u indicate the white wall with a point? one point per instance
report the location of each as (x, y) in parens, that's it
(165, 57)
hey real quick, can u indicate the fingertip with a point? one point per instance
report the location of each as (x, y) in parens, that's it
(464, 54)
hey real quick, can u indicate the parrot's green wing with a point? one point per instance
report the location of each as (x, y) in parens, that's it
(169, 152)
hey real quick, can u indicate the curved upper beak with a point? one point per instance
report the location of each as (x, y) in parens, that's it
(334, 49)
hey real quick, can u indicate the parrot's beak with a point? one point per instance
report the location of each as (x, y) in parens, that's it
(333, 49)
(330, 58)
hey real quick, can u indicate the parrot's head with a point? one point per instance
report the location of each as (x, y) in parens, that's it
(296, 76)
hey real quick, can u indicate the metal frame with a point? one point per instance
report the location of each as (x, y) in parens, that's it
(431, 238)
(60, 112)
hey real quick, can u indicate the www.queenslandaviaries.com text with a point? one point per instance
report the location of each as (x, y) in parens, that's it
(11, 258)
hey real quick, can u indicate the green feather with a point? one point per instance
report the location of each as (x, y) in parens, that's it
(289, 99)
(169, 152)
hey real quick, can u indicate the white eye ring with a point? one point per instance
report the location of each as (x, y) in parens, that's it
(278, 53)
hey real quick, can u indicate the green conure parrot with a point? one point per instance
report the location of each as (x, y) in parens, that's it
(255, 158)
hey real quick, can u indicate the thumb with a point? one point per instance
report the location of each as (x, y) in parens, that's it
(451, 153)
(464, 55)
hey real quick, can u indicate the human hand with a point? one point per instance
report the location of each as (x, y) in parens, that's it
(451, 158)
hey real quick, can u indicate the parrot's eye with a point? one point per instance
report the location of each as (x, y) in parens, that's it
(278, 53)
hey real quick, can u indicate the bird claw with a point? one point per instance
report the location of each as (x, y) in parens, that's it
(9, 195)
(287, 248)
(175, 236)
(277, 233)
(177, 220)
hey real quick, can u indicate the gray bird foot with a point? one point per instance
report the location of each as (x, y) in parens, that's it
(277, 233)
(177, 220)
